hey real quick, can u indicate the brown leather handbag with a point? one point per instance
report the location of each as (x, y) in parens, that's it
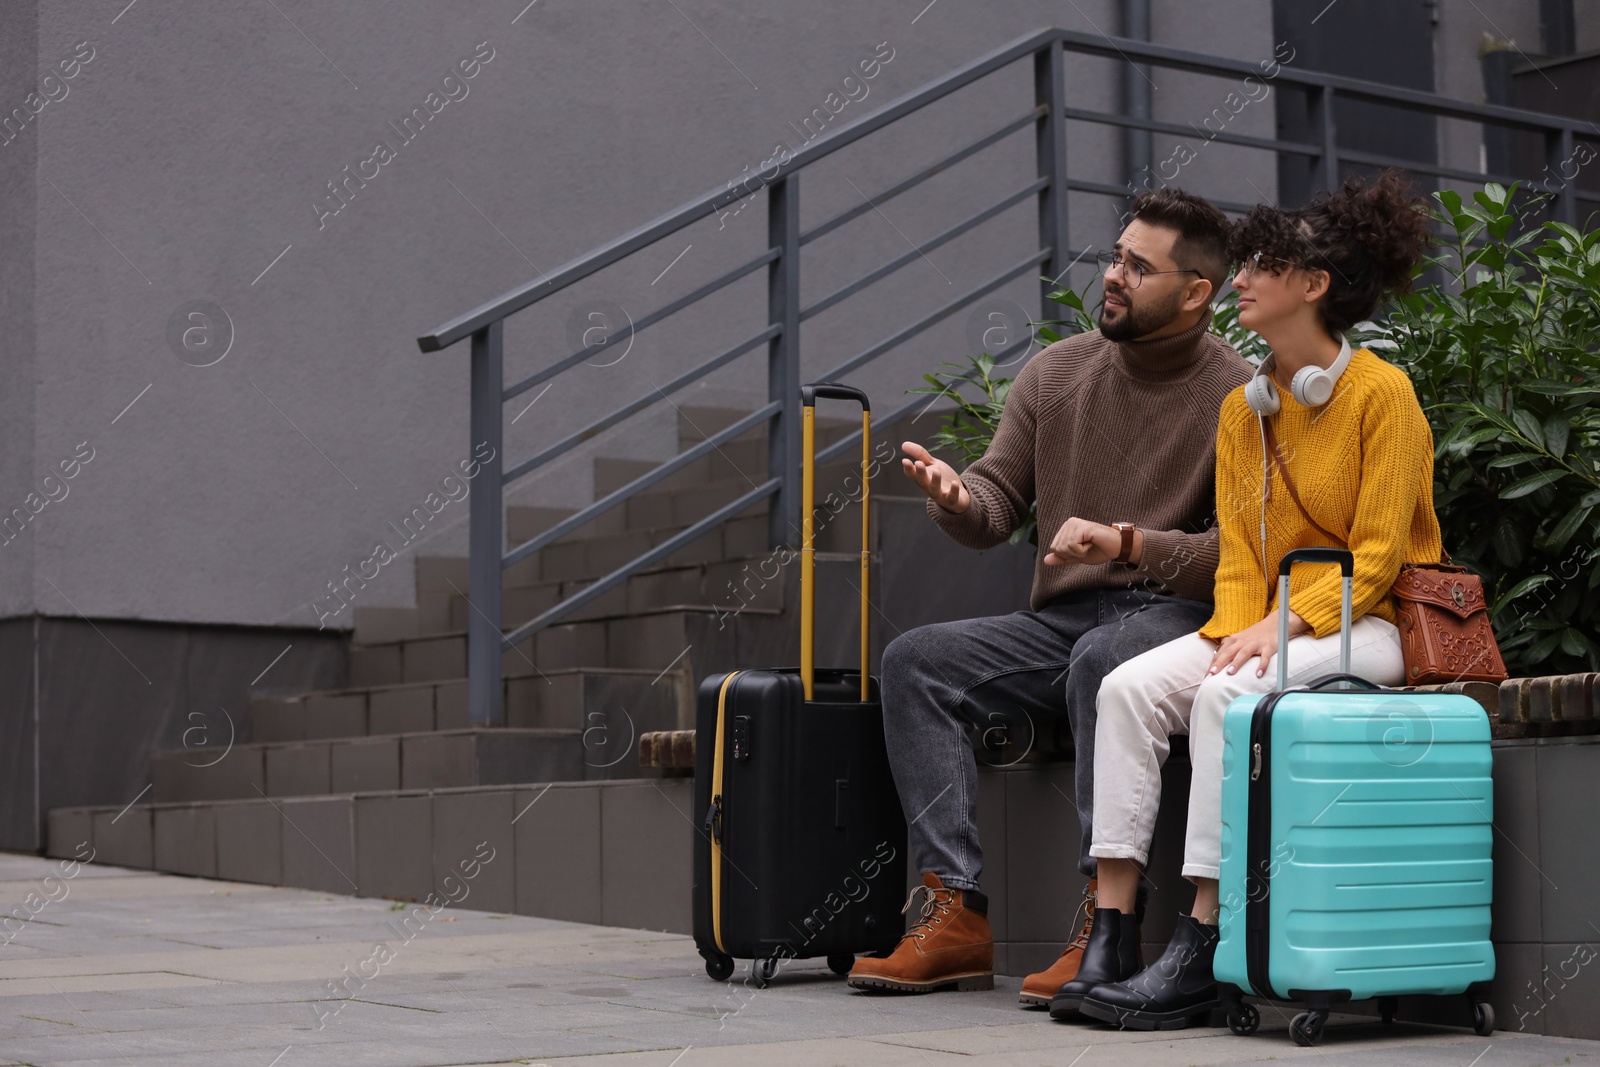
(1445, 635)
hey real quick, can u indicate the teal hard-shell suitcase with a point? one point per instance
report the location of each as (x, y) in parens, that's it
(1356, 842)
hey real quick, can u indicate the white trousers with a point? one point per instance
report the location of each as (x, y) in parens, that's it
(1166, 691)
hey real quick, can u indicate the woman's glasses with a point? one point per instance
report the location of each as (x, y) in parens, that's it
(1260, 261)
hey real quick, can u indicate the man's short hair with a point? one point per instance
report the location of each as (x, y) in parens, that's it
(1202, 243)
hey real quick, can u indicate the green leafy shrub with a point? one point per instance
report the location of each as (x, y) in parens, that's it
(1505, 361)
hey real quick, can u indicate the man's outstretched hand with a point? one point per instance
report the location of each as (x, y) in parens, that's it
(936, 477)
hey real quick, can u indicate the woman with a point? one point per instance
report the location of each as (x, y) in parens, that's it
(1360, 454)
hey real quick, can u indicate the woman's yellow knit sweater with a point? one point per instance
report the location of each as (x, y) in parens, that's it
(1363, 464)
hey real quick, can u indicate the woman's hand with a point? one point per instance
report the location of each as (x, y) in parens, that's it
(1253, 642)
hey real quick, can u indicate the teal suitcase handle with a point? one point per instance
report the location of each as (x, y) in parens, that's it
(1342, 556)
(1347, 567)
(1354, 679)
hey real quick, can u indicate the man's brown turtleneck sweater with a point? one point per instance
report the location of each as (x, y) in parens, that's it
(1111, 432)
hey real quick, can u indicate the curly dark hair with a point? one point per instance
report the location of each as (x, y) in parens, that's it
(1202, 229)
(1369, 238)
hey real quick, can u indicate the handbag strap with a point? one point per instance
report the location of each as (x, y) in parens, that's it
(1288, 483)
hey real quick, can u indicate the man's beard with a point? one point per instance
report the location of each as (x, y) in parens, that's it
(1141, 318)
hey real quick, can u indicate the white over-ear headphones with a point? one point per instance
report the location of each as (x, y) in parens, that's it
(1312, 386)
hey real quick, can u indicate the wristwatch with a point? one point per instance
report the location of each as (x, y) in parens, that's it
(1127, 529)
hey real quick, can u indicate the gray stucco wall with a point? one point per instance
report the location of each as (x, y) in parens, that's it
(19, 30)
(1459, 36)
(184, 161)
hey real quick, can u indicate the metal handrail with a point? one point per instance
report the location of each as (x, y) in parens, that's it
(646, 321)
(905, 333)
(1048, 116)
(660, 552)
(1354, 88)
(644, 481)
(633, 407)
(877, 273)
(938, 167)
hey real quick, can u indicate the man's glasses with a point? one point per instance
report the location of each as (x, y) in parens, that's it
(1132, 273)
(1260, 261)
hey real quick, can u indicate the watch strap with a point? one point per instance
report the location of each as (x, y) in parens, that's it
(1127, 541)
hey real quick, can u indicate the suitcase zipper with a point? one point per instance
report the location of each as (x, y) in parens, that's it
(714, 816)
(1258, 845)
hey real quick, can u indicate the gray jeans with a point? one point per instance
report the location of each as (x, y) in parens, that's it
(1029, 666)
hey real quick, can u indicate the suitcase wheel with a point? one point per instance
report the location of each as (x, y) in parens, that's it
(1306, 1028)
(718, 966)
(1387, 1007)
(764, 970)
(841, 962)
(1483, 1018)
(1243, 1019)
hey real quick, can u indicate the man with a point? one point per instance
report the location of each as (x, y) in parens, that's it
(1114, 433)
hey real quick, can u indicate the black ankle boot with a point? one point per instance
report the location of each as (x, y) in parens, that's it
(1111, 955)
(1173, 992)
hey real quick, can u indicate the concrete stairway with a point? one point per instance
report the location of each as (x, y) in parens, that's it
(352, 790)
(577, 695)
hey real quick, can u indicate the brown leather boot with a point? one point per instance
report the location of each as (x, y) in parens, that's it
(1038, 988)
(949, 944)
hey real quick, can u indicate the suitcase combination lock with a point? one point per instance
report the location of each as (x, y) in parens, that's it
(741, 737)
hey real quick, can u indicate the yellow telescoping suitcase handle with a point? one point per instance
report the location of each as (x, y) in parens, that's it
(808, 562)
(715, 833)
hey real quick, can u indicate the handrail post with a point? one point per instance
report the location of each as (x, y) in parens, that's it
(1328, 132)
(783, 357)
(486, 537)
(1558, 154)
(1050, 139)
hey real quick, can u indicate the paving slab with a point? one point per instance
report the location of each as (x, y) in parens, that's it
(134, 969)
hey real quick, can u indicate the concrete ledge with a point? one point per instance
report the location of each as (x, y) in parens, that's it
(67, 830)
(557, 845)
(186, 840)
(468, 826)
(620, 853)
(646, 855)
(250, 842)
(319, 843)
(124, 838)
(394, 846)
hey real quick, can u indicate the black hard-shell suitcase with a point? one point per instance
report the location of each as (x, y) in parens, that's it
(800, 851)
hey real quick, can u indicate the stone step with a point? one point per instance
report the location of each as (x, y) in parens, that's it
(662, 514)
(434, 760)
(615, 852)
(704, 573)
(558, 699)
(695, 424)
(745, 457)
(651, 640)
(524, 522)
(702, 586)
